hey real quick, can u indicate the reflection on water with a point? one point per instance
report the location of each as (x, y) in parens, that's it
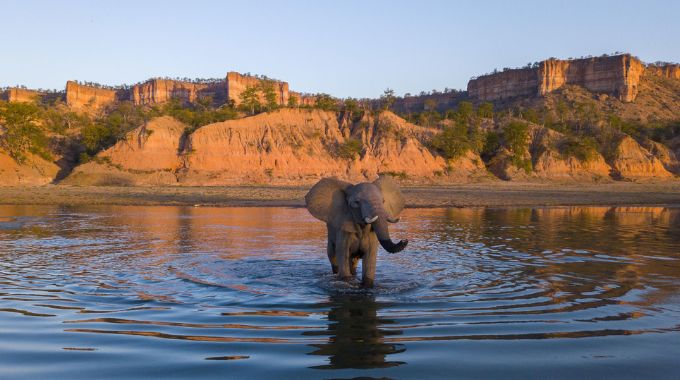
(241, 292)
(356, 334)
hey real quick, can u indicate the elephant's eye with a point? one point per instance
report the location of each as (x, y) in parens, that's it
(354, 204)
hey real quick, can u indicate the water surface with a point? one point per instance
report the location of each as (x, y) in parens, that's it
(176, 292)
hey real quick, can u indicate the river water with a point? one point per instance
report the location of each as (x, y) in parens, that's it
(181, 292)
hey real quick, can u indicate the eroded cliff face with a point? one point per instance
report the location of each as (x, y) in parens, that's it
(34, 171)
(547, 163)
(22, 95)
(670, 70)
(86, 98)
(504, 85)
(283, 147)
(302, 99)
(148, 155)
(237, 83)
(632, 161)
(617, 75)
(156, 91)
(300, 146)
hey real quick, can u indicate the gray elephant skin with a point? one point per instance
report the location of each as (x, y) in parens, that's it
(357, 218)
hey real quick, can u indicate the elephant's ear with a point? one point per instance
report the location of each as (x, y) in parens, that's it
(394, 200)
(327, 199)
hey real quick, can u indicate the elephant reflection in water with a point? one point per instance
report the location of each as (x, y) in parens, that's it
(356, 337)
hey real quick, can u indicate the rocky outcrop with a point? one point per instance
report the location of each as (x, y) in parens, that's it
(616, 75)
(153, 146)
(34, 171)
(88, 98)
(542, 160)
(156, 91)
(149, 155)
(237, 83)
(16, 94)
(668, 70)
(632, 161)
(504, 85)
(548, 163)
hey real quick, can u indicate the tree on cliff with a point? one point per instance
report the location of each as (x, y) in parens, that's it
(250, 100)
(387, 99)
(293, 101)
(271, 101)
(326, 102)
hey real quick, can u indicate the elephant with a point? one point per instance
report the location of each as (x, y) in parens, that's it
(357, 218)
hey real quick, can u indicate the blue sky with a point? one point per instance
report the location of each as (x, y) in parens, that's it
(345, 48)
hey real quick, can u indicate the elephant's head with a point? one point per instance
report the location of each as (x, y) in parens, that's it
(344, 206)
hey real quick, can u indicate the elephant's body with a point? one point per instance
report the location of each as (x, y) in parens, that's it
(350, 247)
(356, 217)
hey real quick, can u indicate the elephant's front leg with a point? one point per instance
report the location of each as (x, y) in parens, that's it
(369, 262)
(330, 250)
(343, 245)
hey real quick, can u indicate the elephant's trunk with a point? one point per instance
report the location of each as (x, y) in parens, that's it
(383, 233)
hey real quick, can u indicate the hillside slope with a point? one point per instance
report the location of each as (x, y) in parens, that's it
(282, 147)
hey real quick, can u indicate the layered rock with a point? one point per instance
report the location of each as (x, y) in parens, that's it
(237, 83)
(80, 97)
(504, 85)
(669, 70)
(616, 75)
(156, 91)
(16, 94)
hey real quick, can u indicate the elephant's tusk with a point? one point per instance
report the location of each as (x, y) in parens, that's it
(393, 220)
(370, 220)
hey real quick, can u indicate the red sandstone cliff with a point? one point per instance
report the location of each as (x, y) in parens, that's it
(237, 83)
(616, 75)
(22, 95)
(156, 91)
(80, 97)
(670, 70)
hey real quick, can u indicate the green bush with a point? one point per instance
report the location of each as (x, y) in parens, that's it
(350, 149)
(326, 102)
(452, 142)
(516, 136)
(583, 148)
(522, 163)
(492, 142)
(21, 133)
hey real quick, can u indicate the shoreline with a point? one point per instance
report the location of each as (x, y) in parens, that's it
(506, 194)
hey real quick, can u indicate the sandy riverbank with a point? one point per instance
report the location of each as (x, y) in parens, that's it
(495, 194)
